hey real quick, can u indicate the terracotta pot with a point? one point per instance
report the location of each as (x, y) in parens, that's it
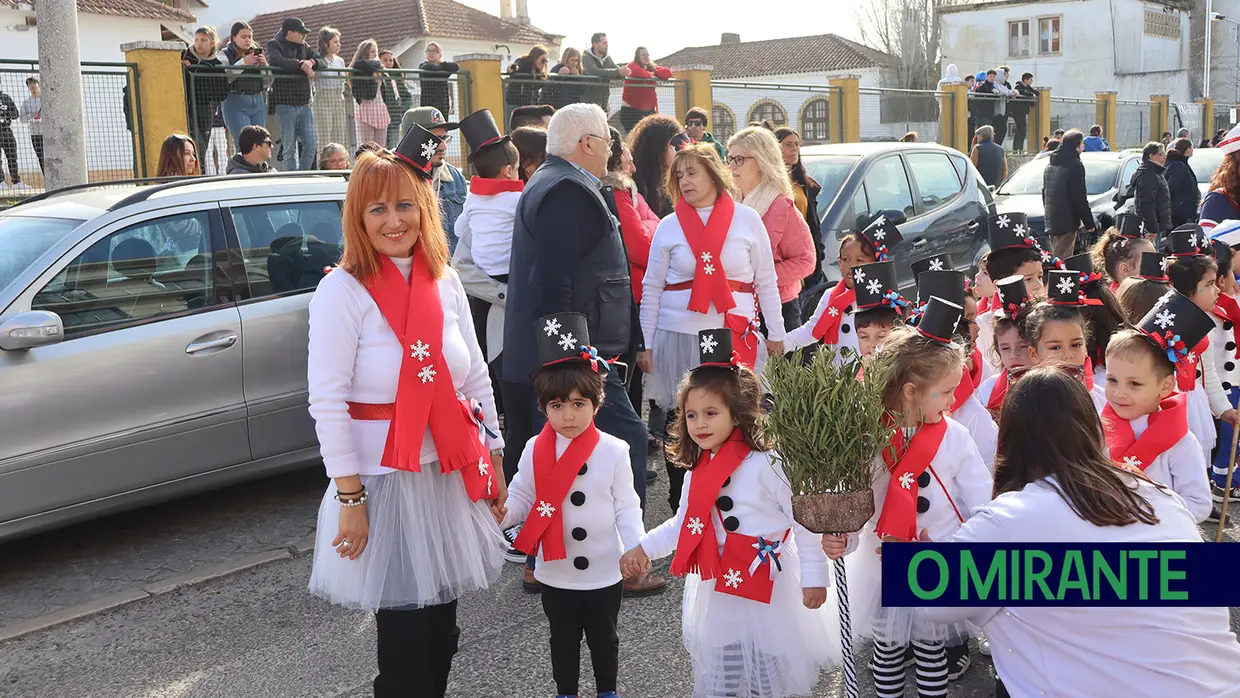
(833, 512)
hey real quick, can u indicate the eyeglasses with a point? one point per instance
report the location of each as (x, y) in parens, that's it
(268, 142)
(738, 160)
(695, 122)
(601, 138)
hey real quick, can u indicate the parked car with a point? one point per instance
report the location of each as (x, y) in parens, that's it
(933, 193)
(153, 340)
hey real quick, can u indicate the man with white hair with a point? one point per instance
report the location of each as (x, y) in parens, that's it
(568, 256)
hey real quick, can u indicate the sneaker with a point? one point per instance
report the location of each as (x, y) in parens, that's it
(958, 661)
(528, 584)
(1217, 493)
(21, 186)
(983, 646)
(513, 555)
(1215, 514)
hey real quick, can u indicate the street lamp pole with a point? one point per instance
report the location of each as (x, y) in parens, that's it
(1209, 30)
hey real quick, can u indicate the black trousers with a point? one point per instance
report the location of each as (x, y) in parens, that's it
(37, 143)
(1019, 132)
(630, 116)
(999, 122)
(416, 647)
(572, 613)
(8, 144)
(675, 473)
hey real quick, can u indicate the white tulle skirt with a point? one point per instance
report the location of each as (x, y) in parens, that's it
(1201, 419)
(746, 648)
(674, 354)
(428, 544)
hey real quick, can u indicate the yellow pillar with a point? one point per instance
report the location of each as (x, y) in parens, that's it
(1040, 124)
(485, 86)
(159, 102)
(850, 109)
(1160, 108)
(1207, 119)
(1104, 113)
(695, 91)
(954, 116)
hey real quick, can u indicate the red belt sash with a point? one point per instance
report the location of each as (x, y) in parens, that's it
(734, 286)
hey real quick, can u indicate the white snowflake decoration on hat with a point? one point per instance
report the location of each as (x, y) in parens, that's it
(1046, 256)
(1065, 286)
(1020, 230)
(428, 149)
(552, 327)
(879, 233)
(709, 343)
(1003, 222)
(880, 221)
(936, 264)
(567, 341)
(859, 276)
(874, 287)
(1164, 319)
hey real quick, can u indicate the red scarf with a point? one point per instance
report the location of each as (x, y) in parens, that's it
(553, 477)
(486, 186)
(998, 392)
(899, 517)
(425, 396)
(1229, 309)
(1089, 373)
(971, 378)
(1114, 286)
(710, 281)
(827, 329)
(697, 549)
(985, 304)
(1186, 368)
(1166, 427)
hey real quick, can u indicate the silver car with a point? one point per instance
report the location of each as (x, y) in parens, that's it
(153, 340)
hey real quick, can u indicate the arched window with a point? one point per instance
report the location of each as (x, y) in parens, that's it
(723, 122)
(816, 121)
(768, 109)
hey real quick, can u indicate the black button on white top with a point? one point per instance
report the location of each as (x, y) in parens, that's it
(581, 563)
(584, 468)
(1229, 366)
(578, 498)
(727, 482)
(845, 328)
(923, 504)
(1230, 346)
(1227, 326)
(731, 523)
(923, 480)
(579, 533)
(724, 503)
(1226, 385)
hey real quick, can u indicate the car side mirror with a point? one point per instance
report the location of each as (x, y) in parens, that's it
(28, 330)
(895, 216)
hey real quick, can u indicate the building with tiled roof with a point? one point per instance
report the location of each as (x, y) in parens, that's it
(135, 9)
(103, 25)
(736, 59)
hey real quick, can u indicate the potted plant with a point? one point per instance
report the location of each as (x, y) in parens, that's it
(828, 428)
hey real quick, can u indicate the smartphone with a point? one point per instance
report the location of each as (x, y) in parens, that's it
(258, 51)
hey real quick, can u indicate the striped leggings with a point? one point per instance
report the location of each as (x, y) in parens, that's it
(888, 668)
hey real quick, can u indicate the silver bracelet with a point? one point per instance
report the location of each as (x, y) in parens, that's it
(351, 502)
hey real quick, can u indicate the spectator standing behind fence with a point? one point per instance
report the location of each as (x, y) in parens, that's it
(988, 156)
(296, 63)
(334, 156)
(1151, 196)
(372, 114)
(396, 95)
(970, 84)
(331, 109)
(1095, 142)
(1018, 108)
(245, 104)
(1003, 87)
(31, 113)
(178, 157)
(990, 109)
(254, 147)
(598, 64)
(526, 77)
(695, 126)
(436, 89)
(565, 85)
(8, 142)
(640, 98)
(1064, 200)
(652, 155)
(205, 84)
(1182, 183)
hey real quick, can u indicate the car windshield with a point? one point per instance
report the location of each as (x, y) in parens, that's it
(24, 239)
(1099, 177)
(829, 171)
(1205, 162)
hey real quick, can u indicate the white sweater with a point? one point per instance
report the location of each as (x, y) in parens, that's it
(974, 417)
(747, 258)
(1182, 468)
(602, 509)
(355, 357)
(489, 218)
(803, 336)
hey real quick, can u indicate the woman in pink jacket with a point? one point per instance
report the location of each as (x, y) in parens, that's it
(758, 168)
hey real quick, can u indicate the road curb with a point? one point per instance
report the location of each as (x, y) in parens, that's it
(128, 596)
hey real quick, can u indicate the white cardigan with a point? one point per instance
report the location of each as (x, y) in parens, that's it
(355, 357)
(747, 258)
(1182, 468)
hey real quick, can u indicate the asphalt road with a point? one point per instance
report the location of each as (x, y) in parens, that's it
(257, 632)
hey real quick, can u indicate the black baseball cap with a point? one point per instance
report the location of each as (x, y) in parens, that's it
(292, 24)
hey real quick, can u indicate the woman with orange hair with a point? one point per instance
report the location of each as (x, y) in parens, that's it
(1223, 201)
(403, 408)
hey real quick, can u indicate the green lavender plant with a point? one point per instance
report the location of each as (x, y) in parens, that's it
(827, 426)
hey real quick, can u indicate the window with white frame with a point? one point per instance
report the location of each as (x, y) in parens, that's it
(1049, 35)
(1018, 38)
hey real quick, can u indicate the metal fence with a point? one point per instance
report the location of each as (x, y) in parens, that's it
(1079, 113)
(1132, 124)
(561, 90)
(888, 113)
(344, 107)
(112, 149)
(1187, 115)
(810, 109)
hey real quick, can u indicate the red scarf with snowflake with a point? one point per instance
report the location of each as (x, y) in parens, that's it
(697, 549)
(710, 282)
(1229, 309)
(1166, 427)
(827, 329)
(906, 460)
(553, 477)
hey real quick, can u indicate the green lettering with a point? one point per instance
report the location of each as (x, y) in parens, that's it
(970, 576)
(1166, 575)
(1073, 565)
(1037, 577)
(1143, 576)
(1102, 568)
(1015, 576)
(916, 587)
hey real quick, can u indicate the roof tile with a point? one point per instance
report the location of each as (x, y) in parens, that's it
(140, 9)
(802, 54)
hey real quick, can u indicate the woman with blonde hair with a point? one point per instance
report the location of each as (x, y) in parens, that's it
(710, 267)
(405, 418)
(331, 112)
(566, 80)
(762, 179)
(372, 115)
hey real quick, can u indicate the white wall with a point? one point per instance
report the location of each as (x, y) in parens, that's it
(100, 36)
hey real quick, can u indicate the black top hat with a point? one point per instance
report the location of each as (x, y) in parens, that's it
(715, 348)
(1090, 280)
(1176, 325)
(1218, 249)
(948, 285)
(939, 319)
(1013, 296)
(1129, 225)
(1187, 240)
(1063, 287)
(565, 337)
(875, 285)
(1009, 230)
(1153, 266)
(479, 131)
(681, 141)
(418, 148)
(936, 262)
(883, 235)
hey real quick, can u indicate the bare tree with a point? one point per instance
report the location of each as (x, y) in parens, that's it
(908, 30)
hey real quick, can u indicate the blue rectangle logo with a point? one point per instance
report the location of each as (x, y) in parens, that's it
(1061, 574)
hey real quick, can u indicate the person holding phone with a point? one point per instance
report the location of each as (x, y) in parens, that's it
(245, 104)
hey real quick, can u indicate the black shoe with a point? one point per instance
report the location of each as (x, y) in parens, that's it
(651, 475)
(910, 657)
(1217, 493)
(1215, 514)
(958, 661)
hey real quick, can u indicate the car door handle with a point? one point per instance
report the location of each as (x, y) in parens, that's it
(973, 226)
(221, 343)
(921, 242)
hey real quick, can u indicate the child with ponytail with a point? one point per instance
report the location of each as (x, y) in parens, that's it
(1118, 252)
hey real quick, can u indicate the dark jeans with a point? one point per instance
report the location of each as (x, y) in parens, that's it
(416, 646)
(999, 121)
(1019, 132)
(8, 144)
(37, 143)
(592, 612)
(629, 117)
